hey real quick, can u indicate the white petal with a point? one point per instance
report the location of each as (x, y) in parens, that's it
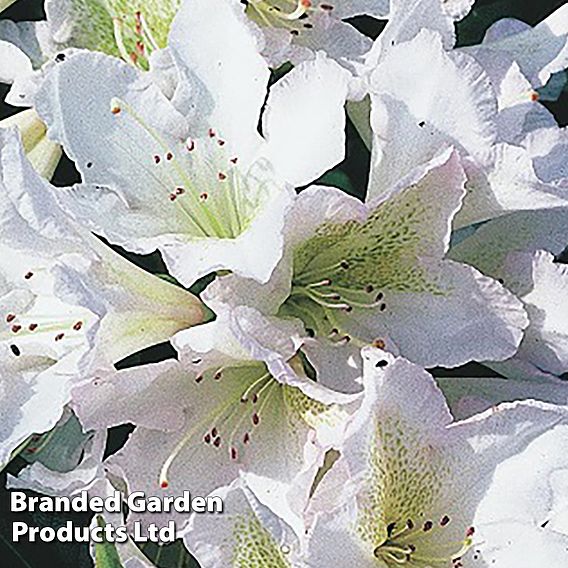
(506, 546)
(414, 115)
(406, 19)
(229, 78)
(137, 309)
(34, 392)
(338, 39)
(467, 396)
(526, 231)
(509, 183)
(188, 262)
(333, 539)
(111, 398)
(30, 217)
(14, 62)
(472, 318)
(547, 146)
(542, 285)
(304, 120)
(528, 491)
(457, 9)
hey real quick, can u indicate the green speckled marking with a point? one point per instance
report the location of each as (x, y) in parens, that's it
(382, 251)
(92, 22)
(255, 547)
(364, 263)
(407, 480)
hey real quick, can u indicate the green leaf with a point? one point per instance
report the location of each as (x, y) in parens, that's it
(337, 178)
(106, 555)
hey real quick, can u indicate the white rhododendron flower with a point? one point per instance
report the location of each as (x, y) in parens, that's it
(235, 234)
(66, 300)
(136, 309)
(412, 487)
(229, 405)
(354, 273)
(198, 183)
(481, 100)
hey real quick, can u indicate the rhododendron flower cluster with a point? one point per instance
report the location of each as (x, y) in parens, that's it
(267, 327)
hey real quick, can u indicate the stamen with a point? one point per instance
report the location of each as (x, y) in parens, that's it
(220, 417)
(117, 25)
(147, 33)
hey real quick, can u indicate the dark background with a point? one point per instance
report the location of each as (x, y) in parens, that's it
(352, 175)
